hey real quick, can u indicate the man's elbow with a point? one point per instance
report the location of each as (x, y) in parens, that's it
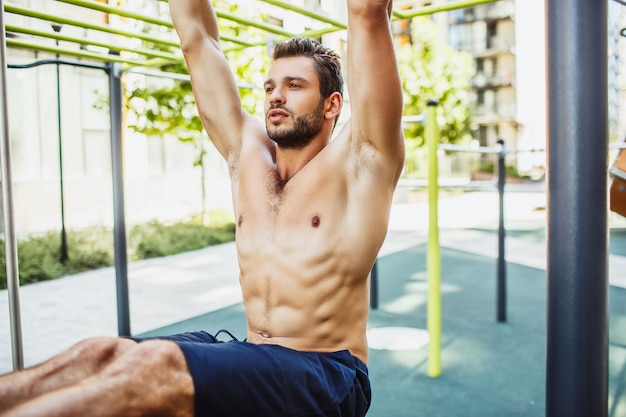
(194, 43)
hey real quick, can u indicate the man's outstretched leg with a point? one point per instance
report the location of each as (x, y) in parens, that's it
(103, 377)
(79, 362)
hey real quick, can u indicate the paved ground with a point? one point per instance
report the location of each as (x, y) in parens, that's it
(489, 368)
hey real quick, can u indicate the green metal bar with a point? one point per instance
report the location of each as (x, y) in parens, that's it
(433, 260)
(152, 63)
(105, 8)
(239, 48)
(90, 4)
(338, 26)
(60, 37)
(319, 32)
(428, 10)
(87, 25)
(120, 12)
(17, 43)
(307, 34)
(277, 30)
(236, 40)
(307, 13)
(128, 63)
(162, 58)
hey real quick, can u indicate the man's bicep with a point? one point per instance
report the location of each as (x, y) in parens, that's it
(375, 93)
(217, 97)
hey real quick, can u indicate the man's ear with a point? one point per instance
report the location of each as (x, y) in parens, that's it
(333, 105)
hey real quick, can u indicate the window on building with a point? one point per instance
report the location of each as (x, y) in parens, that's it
(480, 63)
(492, 32)
(468, 37)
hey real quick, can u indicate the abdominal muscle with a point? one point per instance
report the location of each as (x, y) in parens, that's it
(306, 296)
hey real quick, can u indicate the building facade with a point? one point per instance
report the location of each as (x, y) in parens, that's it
(509, 82)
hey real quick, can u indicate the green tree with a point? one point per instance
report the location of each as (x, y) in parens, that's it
(432, 70)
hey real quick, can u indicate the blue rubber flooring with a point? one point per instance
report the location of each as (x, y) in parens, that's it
(489, 368)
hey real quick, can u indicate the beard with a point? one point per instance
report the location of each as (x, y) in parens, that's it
(302, 132)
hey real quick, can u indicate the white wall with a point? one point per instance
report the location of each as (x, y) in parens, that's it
(530, 81)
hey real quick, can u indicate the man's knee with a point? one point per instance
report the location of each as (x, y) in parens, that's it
(162, 378)
(101, 348)
(155, 356)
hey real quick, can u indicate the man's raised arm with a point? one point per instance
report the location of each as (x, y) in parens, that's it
(373, 80)
(213, 83)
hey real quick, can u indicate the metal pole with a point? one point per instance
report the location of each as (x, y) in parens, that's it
(577, 311)
(433, 264)
(501, 280)
(10, 240)
(119, 226)
(374, 286)
(64, 257)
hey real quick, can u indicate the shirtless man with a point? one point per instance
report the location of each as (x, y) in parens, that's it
(311, 215)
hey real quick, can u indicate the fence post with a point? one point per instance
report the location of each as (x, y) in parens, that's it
(119, 226)
(501, 280)
(374, 286)
(10, 240)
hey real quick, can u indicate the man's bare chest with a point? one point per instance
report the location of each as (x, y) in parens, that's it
(306, 206)
(269, 203)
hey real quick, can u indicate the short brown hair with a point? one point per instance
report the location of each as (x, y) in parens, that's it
(327, 62)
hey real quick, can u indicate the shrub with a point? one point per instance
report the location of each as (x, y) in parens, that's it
(156, 239)
(39, 257)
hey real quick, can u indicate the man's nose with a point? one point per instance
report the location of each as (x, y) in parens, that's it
(276, 96)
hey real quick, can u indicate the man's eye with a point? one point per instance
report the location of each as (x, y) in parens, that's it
(294, 85)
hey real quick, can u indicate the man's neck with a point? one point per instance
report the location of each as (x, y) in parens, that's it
(290, 161)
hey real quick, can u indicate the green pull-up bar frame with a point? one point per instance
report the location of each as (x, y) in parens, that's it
(163, 57)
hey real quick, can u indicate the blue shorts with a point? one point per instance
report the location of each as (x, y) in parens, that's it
(239, 379)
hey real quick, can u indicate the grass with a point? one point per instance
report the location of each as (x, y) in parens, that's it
(39, 257)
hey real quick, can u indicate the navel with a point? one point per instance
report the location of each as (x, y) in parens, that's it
(315, 221)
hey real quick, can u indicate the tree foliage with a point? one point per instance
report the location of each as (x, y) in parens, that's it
(432, 70)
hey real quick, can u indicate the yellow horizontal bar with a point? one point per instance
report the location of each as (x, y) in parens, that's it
(16, 43)
(87, 25)
(65, 38)
(428, 10)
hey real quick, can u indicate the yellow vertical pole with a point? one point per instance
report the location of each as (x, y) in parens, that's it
(433, 261)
